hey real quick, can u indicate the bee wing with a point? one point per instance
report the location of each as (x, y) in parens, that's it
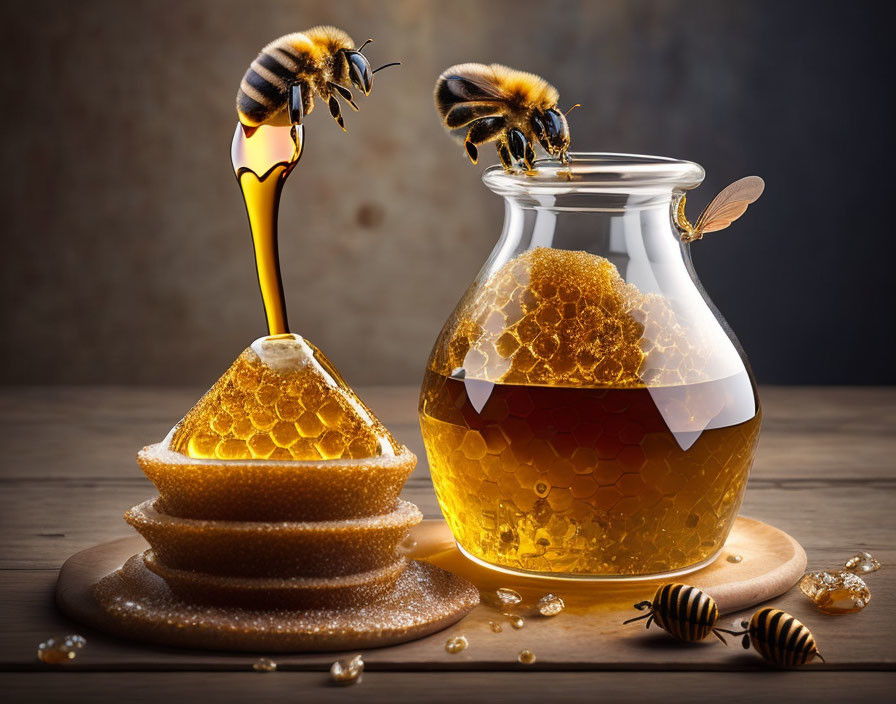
(730, 204)
(466, 83)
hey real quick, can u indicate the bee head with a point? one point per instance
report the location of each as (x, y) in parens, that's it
(556, 131)
(359, 71)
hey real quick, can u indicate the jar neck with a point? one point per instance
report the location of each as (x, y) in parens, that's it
(633, 230)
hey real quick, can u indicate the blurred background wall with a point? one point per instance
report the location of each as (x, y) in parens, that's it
(126, 256)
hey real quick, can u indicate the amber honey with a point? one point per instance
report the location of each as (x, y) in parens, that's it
(263, 158)
(585, 481)
(575, 425)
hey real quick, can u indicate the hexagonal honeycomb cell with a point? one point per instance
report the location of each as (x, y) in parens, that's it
(281, 399)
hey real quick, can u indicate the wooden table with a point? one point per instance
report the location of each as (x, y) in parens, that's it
(825, 474)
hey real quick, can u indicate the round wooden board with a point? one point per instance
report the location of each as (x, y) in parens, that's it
(772, 563)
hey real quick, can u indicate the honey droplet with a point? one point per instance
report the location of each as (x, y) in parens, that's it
(495, 626)
(550, 605)
(509, 596)
(836, 593)
(456, 644)
(60, 649)
(526, 657)
(862, 563)
(516, 621)
(264, 665)
(735, 558)
(346, 672)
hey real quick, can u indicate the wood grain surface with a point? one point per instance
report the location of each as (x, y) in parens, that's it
(824, 474)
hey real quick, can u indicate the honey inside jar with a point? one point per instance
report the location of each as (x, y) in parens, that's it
(572, 426)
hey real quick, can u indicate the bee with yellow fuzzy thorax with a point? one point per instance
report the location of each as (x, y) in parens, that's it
(499, 104)
(280, 85)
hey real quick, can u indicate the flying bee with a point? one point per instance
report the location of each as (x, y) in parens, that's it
(512, 108)
(683, 611)
(722, 210)
(779, 638)
(280, 85)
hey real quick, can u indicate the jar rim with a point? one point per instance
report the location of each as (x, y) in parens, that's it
(597, 171)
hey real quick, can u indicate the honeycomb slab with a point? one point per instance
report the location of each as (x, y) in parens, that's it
(295, 548)
(282, 399)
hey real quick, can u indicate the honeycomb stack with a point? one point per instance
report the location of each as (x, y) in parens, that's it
(278, 521)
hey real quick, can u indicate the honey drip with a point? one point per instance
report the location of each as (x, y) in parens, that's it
(262, 163)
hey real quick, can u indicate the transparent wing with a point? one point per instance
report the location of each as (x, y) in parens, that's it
(730, 204)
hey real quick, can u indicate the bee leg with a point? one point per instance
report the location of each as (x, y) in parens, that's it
(529, 157)
(482, 130)
(640, 606)
(504, 156)
(715, 632)
(333, 104)
(345, 94)
(295, 105)
(516, 141)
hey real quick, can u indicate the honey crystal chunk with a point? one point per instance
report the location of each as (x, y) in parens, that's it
(60, 649)
(264, 665)
(281, 399)
(516, 621)
(346, 672)
(509, 597)
(526, 657)
(862, 563)
(550, 605)
(495, 626)
(838, 592)
(456, 644)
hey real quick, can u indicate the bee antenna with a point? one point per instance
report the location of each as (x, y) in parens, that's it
(577, 105)
(394, 63)
(364, 44)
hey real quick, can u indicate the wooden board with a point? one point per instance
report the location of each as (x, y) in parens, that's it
(772, 563)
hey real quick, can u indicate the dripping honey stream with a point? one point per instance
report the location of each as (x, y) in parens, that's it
(262, 160)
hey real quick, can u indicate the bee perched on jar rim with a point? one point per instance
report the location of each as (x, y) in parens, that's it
(779, 638)
(280, 84)
(512, 108)
(682, 611)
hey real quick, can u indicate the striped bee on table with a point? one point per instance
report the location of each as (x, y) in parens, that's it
(683, 611)
(280, 85)
(498, 104)
(779, 638)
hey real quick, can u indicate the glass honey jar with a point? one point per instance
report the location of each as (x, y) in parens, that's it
(586, 410)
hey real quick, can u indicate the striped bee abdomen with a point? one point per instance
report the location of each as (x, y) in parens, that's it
(263, 90)
(781, 639)
(684, 612)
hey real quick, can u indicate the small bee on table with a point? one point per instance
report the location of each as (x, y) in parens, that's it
(682, 611)
(779, 638)
(279, 86)
(498, 104)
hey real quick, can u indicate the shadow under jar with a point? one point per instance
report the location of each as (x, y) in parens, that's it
(586, 410)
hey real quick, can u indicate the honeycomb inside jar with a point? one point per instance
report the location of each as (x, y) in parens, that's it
(572, 426)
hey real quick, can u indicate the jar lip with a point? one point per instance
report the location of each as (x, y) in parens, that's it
(597, 171)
